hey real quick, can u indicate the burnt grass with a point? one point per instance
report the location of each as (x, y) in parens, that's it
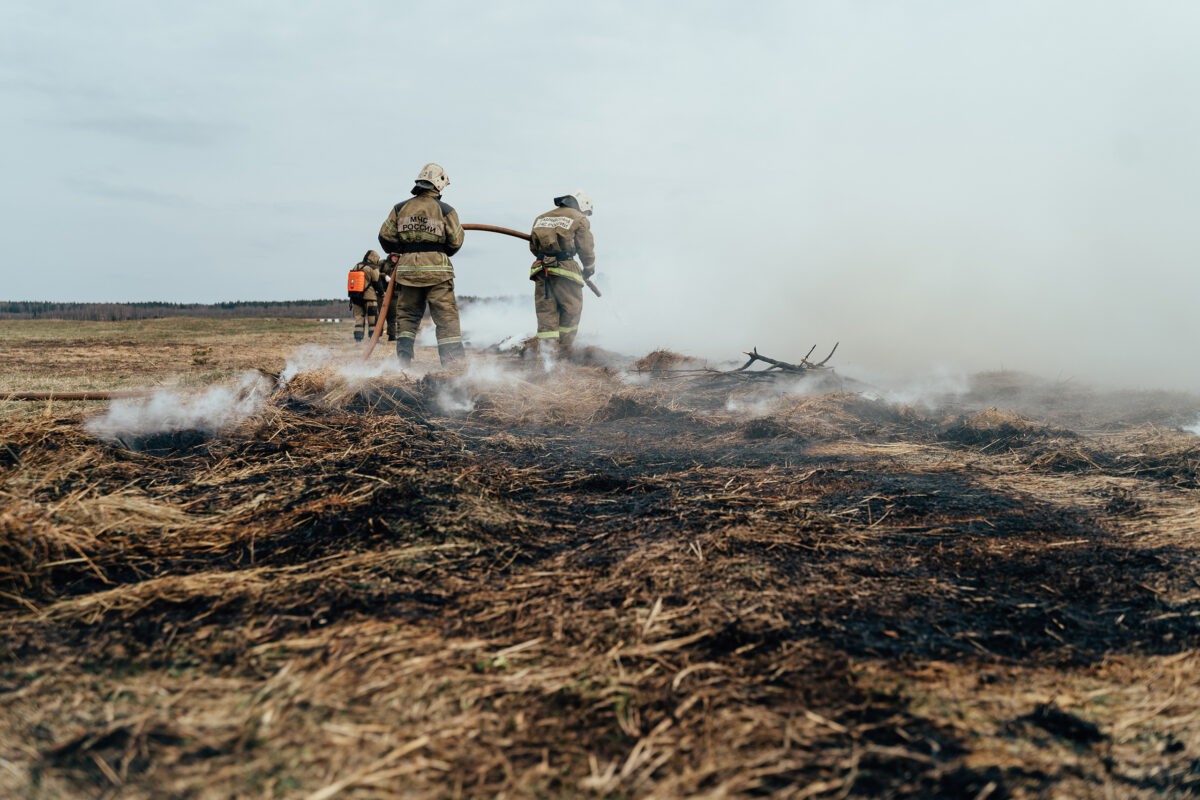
(1056, 607)
(777, 568)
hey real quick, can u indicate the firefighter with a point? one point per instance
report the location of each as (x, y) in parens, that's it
(558, 236)
(365, 290)
(420, 235)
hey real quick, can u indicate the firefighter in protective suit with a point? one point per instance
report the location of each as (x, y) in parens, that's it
(366, 302)
(557, 238)
(420, 235)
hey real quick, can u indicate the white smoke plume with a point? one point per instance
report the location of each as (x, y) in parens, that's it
(491, 321)
(1194, 428)
(313, 358)
(766, 399)
(933, 389)
(349, 365)
(457, 396)
(219, 408)
(211, 410)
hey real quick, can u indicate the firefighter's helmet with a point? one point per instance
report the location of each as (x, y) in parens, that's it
(371, 257)
(584, 199)
(578, 199)
(434, 175)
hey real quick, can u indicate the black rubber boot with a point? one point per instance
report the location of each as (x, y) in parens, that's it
(391, 336)
(452, 354)
(404, 351)
(358, 335)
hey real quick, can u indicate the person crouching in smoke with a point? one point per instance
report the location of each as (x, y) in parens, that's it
(422, 233)
(365, 285)
(558, 236)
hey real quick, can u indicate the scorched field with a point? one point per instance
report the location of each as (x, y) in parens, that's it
(625, 578)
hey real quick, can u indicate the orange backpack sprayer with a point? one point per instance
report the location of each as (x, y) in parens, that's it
(356, 283)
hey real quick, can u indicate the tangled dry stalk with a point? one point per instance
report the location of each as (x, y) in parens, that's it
(575, 584)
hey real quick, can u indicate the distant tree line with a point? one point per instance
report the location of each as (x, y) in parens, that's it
(111, 312)
(114, 312)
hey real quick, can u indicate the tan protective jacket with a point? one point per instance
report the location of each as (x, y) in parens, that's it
(425, 232)
(558, 236)
(370, 268)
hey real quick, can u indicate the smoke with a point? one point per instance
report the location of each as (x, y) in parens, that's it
(458, 395)
(211, 411)
(979, 190)
(348, 365)
(504, 323)
(934, 389)
(219, 408)
(1194, 428)
(493, 321)
(306, 358)
(763, 400)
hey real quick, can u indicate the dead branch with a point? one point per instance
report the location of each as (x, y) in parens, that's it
(775, 364)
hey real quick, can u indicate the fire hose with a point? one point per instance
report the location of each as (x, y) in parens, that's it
(99, 394)
(72, 396)
(387, 296)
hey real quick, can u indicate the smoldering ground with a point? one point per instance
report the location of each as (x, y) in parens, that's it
(213, 410)
(1057, 399)
(733, 586)
(504, 327)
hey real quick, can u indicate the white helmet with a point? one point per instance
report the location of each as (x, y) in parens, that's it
(434, 174)
(582, 201)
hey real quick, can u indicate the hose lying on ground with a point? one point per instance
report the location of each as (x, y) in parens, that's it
(116, 394)
(110, 394)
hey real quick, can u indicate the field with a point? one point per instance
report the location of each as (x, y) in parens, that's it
(611, 580)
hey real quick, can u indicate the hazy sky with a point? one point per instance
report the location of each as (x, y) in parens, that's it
(934, 183)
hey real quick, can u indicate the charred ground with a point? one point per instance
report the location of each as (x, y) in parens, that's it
(581, 584)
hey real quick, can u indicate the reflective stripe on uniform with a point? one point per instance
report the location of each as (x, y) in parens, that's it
(406, 335)
(444, 266)
(547, 334)
(562, 273)
(570, 329)
(449, 340)
(566, 273)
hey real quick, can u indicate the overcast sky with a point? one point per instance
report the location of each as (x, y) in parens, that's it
(934, 183)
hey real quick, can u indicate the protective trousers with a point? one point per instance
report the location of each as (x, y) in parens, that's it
(443, 308)
(558, 303)
(365, 314)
